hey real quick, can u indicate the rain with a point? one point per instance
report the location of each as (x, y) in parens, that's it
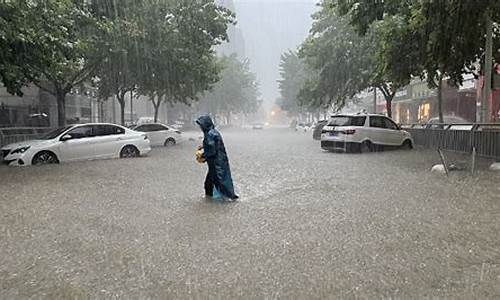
(249, 149)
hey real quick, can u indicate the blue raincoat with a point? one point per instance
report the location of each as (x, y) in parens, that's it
(219, 173)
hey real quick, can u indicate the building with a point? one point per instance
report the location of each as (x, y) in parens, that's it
(417, 103)
(38, 108)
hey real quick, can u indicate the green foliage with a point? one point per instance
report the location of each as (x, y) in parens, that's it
(162, 48)
(167, 49)
(235, 92)
(358, 44)
(342, 61)
(296, 84)
(51, 43)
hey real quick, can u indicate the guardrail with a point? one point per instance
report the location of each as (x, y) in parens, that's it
(459, 137)
(10, 135)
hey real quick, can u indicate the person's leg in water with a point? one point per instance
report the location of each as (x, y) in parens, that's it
(215, 182)
(209, 184)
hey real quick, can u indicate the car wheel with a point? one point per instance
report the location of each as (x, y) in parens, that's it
(365, 147)
(170, 142)
(407, 145)
(129, 152)
(44, 158)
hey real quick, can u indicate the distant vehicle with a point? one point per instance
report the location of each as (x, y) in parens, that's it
(318, 128)
(160, 134)
(38, 120)
(363, 133)
(145, 120)
(434, 122)
(78, 142)
(303, 126)
(258, 126)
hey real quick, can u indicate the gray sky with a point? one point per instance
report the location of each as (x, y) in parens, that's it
(269, 29)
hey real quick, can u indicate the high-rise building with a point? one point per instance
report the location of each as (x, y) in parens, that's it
(236, 43)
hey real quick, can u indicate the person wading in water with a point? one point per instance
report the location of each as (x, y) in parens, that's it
(214, 152)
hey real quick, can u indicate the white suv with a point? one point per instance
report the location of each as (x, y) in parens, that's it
(363, 133)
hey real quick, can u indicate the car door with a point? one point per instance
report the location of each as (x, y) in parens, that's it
(164, 132)
(76, 144)
(154, 136)
(393, 132)
(384, 131)
(108, 140)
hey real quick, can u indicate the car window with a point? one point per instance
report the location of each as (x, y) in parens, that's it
(390, 124)
(140, 128)
(378, 122)
(81, 132)
(55, 133)
(144, 128)
(347, 121)
(103, 130)
(157, 127)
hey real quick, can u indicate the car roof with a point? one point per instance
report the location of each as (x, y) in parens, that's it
(358, 115)
(87, 124)
(157, 123)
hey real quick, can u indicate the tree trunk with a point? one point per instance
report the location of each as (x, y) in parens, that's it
(61, 107)
(156, 106)
(120, 96)
(388, 104)
(440, 99)
(388, 96)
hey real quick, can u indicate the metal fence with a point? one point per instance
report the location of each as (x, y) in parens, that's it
(19, 134)
(459, 138)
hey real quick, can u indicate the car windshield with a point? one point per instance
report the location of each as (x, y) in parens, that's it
(347, 121)
(55, 133)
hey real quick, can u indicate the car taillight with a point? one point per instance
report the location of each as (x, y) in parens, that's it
(349, 131)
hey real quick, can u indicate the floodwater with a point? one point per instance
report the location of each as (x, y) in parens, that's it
(310, 224)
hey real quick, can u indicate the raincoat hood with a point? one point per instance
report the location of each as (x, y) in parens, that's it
(205, 123)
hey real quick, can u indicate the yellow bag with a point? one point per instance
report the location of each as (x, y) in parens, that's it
(200, 157)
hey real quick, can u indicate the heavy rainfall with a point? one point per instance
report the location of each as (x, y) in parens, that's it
(249, 149)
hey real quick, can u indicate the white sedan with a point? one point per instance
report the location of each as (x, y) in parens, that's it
(78, 142)
(160, 134)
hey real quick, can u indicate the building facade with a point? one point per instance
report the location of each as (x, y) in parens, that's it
(37, 108)
(417, 103)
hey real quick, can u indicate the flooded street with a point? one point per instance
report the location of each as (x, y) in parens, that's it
(309, 224)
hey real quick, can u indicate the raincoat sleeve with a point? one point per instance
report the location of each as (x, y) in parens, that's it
(210, 146)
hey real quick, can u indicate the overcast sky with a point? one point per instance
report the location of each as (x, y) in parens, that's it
(271, 27)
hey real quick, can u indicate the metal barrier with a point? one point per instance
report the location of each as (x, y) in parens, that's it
(459, 137)
(18, 134)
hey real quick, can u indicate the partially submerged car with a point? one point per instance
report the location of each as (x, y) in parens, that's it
(363, 133)
(78, 142)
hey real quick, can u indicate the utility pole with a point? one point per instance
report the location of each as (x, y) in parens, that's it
(485, 101)
(374, 100)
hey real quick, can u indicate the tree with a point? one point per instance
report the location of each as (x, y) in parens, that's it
(51, 43)
(293, 79)
(447, 36)
(118, 72)
(235, 92)
(298, 93)
(343, 60)
(452, 39)
(178, 41)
